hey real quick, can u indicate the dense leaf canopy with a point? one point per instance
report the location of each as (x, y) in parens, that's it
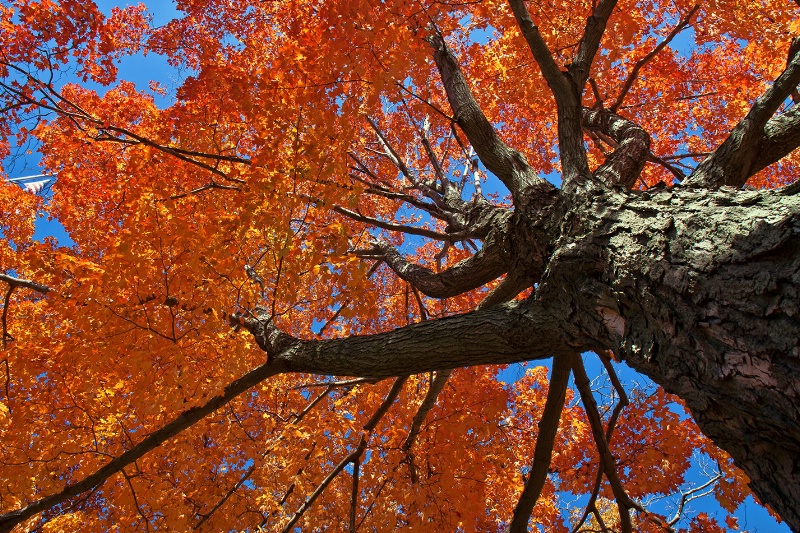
(342, 167)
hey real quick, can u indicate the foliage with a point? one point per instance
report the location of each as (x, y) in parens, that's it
(303, 134)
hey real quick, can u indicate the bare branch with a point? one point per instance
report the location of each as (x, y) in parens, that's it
(606, 458)
(354, 495)
(690, 495)
(587, 49)
(486, 265)
(612, 422)
(543, 451)
(13, 283)
(625, 164)
(574, 164)
(509, 287)
(402, 228)
(511, 332)
(27, 284)
(781, 137)
(507, 164)
(434, 389)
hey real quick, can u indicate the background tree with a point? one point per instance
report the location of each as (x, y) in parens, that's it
(286, 285)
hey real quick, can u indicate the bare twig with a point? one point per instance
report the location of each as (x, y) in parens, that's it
(606, 458)
(692, 494)
(612, 422)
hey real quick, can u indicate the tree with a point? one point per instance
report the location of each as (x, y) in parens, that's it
(320, 198)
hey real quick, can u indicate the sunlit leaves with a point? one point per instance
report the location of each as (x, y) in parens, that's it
(266, 135)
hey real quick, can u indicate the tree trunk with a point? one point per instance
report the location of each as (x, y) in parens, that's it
(699, 290)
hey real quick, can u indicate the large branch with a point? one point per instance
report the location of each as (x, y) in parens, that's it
(781, 137)
(590, 42)
(487, 264)
(506, 163)
(543, 452)
(733, 162)
(518, 331)
(575, 167)
(25, 283)
(508, 333)
(625, 164)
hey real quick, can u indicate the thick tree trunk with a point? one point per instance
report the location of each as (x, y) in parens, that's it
(700, 290)
(697, 289)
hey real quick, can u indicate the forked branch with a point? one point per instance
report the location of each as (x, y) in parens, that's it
(607, 461)
(506, 163)
(477, 270)
(574, 164)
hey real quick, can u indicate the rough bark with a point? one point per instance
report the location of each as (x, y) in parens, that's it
(705, 298)
(697, 289)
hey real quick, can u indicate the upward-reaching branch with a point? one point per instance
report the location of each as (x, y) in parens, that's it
(587, 49)
(733, 162)
(625, 164)
(506, 163)
(575, 166)
(682, 24)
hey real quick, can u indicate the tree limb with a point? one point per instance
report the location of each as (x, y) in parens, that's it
(612, 422)
(434, 389)
(152, 441)
(507, 333)
(606, 458)
(733, 162)
(477, 270)
(625, 164)
(587, 49)
(353, 456)
(682, 24)
(543, 452)
(506, 163)
(781, 137)
(574, 164)
(27, 284)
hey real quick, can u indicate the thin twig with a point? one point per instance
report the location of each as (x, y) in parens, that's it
(606, 458)
(352, 457)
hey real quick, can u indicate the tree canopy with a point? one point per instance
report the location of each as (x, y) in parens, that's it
(297, 274)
